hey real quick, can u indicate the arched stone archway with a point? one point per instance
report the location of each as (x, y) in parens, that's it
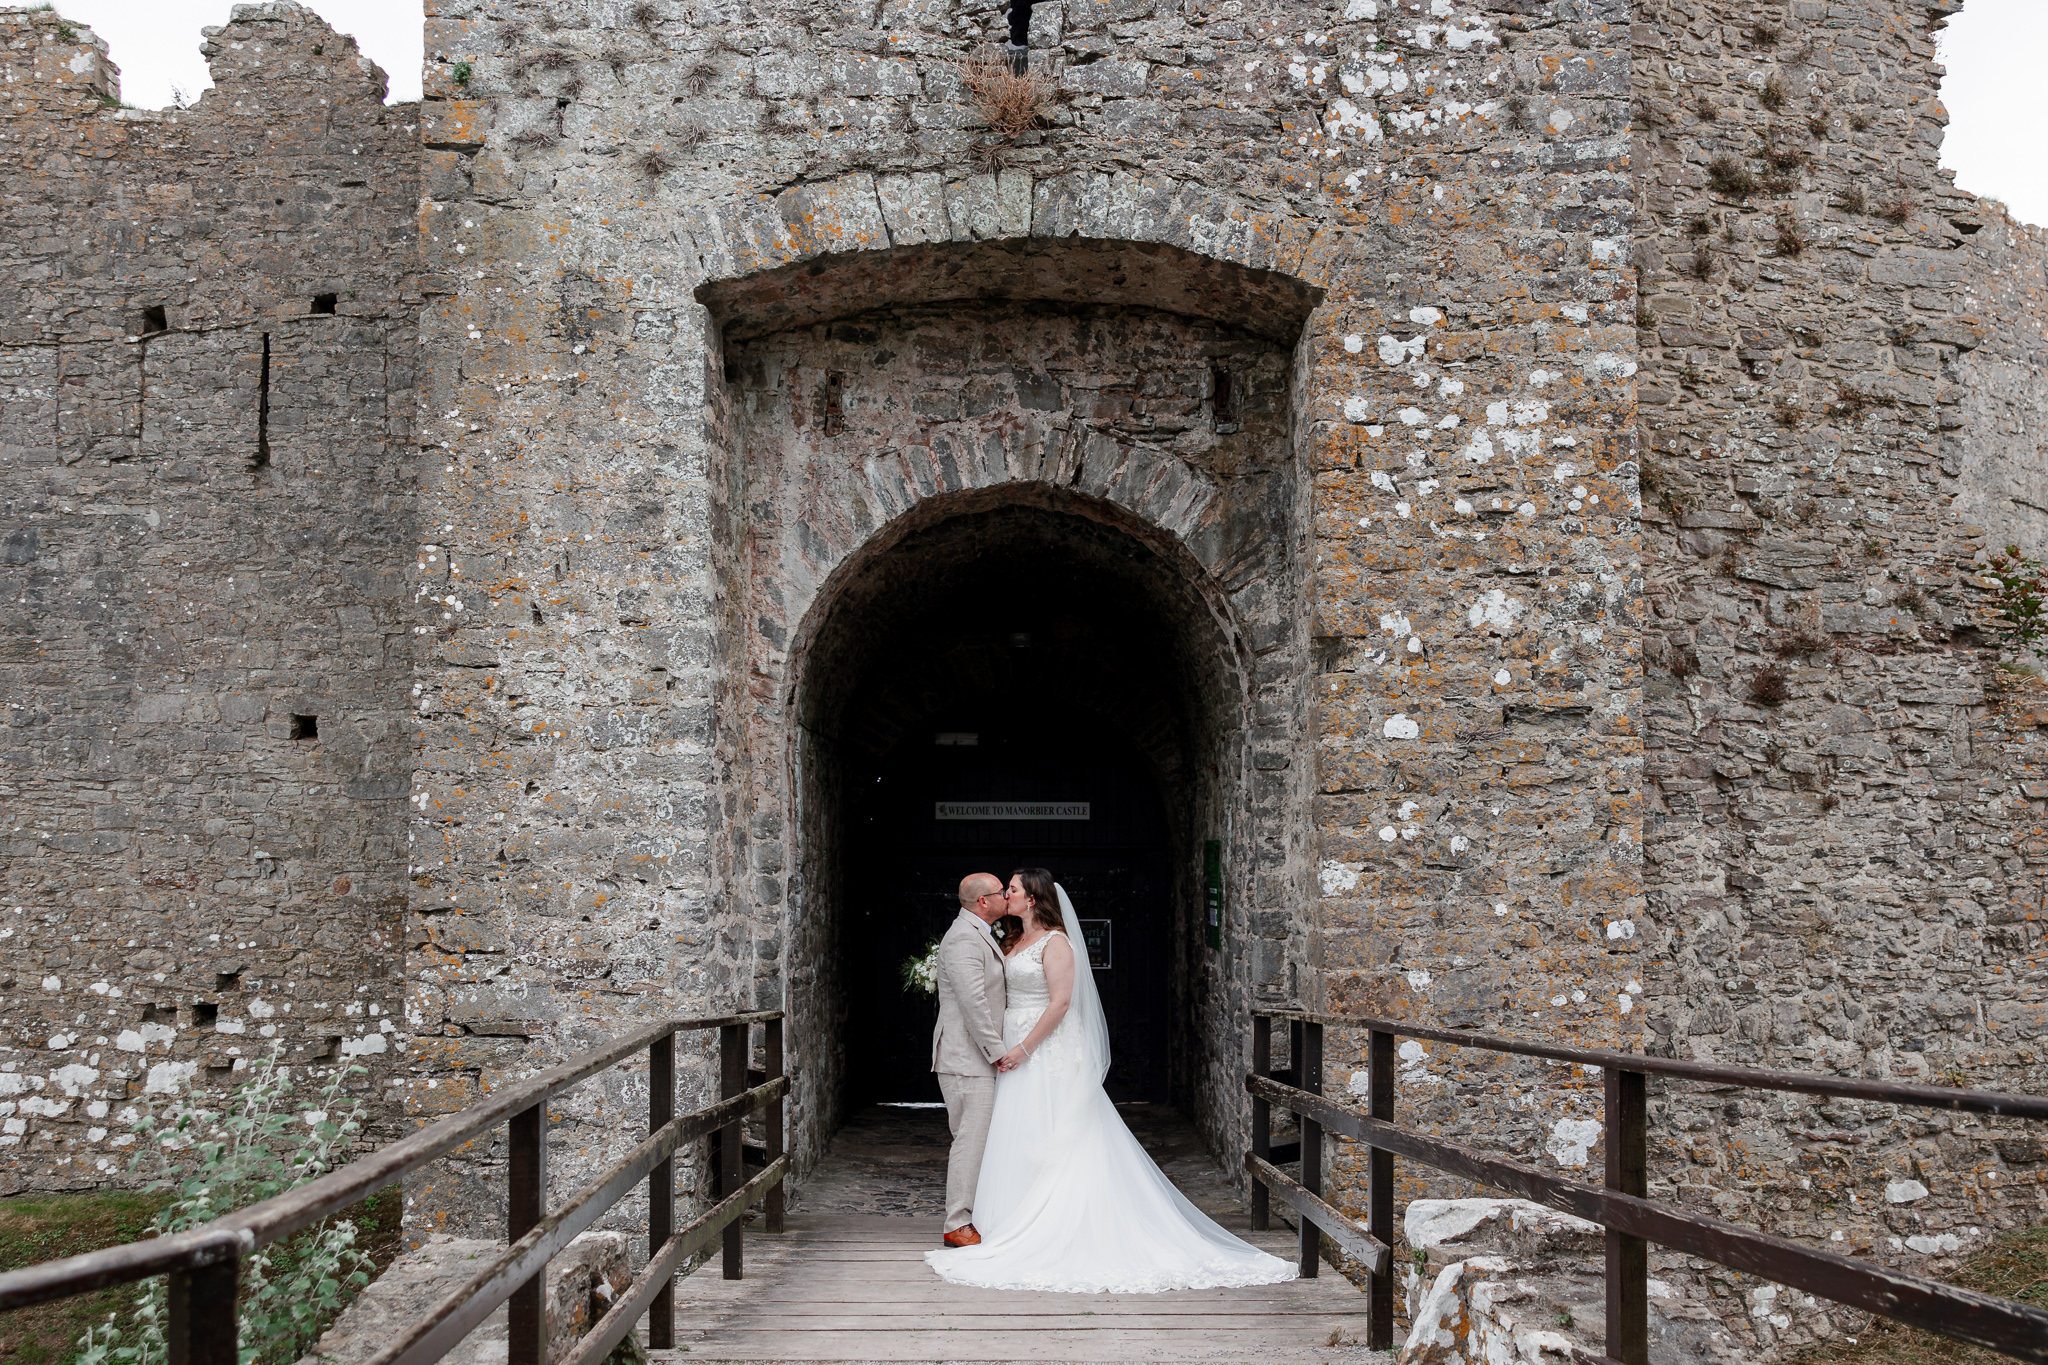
(874, 405)
(836, 221)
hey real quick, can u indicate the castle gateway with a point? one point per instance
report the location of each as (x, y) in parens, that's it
(1468, 512)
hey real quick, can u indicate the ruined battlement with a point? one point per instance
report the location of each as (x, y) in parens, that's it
(208, 331)
(1501, 488)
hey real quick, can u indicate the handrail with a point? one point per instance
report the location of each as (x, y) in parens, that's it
(279, 1216)
(1622, 1207)
(1714, 1073)
(204, 1262)
(459, 1310)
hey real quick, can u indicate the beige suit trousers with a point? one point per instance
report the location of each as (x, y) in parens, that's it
(970, 1103)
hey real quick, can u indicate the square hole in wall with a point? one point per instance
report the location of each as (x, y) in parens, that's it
(160, 1014)
(154, 319)
(305, 727)
(205, 1014)
(323, 303)
(227, 981)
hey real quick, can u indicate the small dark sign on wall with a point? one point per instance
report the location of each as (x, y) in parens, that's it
(1095, 937)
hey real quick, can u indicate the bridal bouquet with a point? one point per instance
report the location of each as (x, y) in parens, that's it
(921, 973)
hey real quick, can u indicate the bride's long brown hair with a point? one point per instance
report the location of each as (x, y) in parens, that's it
(1045, 897)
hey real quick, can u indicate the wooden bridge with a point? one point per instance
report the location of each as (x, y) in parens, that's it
(844, 1283)
(841, 1276)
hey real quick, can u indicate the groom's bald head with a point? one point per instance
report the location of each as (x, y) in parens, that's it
(976, 885)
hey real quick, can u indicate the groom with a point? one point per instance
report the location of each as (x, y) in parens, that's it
(968, 1042)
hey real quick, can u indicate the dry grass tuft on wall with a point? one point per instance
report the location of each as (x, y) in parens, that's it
(1007, 104)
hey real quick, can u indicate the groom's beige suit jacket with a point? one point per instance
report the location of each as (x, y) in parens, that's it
(969, 1038)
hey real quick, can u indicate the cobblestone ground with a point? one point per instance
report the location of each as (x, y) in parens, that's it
(891, 1159)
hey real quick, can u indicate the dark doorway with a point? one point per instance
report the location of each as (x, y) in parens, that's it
(906, 861)
(1017, 654)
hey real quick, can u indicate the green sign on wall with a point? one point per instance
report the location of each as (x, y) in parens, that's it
(1212, 890)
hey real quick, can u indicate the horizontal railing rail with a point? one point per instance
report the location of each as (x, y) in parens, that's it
(204, 1263)
(1621, 1206)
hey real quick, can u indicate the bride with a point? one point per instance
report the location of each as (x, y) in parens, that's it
(1067, 1199)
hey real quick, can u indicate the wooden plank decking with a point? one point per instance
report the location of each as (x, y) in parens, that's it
(852, 1287)
(847, 1284)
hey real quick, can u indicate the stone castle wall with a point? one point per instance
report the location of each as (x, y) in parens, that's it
(1842, 841)
(205, 524)
(1456, 184)
(1609, 611)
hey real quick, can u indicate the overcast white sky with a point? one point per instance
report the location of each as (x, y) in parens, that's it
(1996, 51)
(156, 42)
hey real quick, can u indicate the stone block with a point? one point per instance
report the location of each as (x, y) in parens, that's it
(1112, 78)
(582, 1282)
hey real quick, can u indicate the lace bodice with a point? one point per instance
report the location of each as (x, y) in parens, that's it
(1027, 996)
(1024, 979)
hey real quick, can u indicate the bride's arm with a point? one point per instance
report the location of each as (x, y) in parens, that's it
(1059, 983)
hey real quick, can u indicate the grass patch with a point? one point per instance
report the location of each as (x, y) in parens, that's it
(2014, 1266)
(1726, 175)
(35, 1228)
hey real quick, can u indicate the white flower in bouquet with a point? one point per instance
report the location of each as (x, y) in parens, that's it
(921, 973)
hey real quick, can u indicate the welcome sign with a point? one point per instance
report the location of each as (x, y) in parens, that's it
(1010, 810)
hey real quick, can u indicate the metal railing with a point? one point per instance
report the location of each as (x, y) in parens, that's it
(1620, 1205)
(204, 1264)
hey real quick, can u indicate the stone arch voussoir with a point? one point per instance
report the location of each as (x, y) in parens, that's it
(860, 213)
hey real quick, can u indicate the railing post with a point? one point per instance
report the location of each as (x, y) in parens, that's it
(732, 1080)
(1628, 1261)
(772, 1063)
(1379, 1193)
(1262, 1121)
(202, 1327)
(526, 1134)
(661, 1186)
(1308, 1070)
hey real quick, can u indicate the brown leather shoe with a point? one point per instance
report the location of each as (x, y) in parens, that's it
(963, 1237)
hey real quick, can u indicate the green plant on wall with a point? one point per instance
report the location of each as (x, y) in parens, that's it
(2019, 601)
(216, 1161)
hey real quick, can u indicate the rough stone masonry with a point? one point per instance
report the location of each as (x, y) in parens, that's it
(1555, 440)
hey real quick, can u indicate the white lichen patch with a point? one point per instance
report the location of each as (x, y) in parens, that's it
(1394, 351)
(1495, 611)
(1336, 877)
(1569, 1139)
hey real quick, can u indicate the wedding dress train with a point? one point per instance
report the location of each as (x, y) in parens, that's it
(1068, 1200)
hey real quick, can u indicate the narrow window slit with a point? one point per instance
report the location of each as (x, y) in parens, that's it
(835, 403)
(262, 457)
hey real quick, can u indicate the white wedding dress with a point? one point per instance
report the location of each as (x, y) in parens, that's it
(1067, 1200)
